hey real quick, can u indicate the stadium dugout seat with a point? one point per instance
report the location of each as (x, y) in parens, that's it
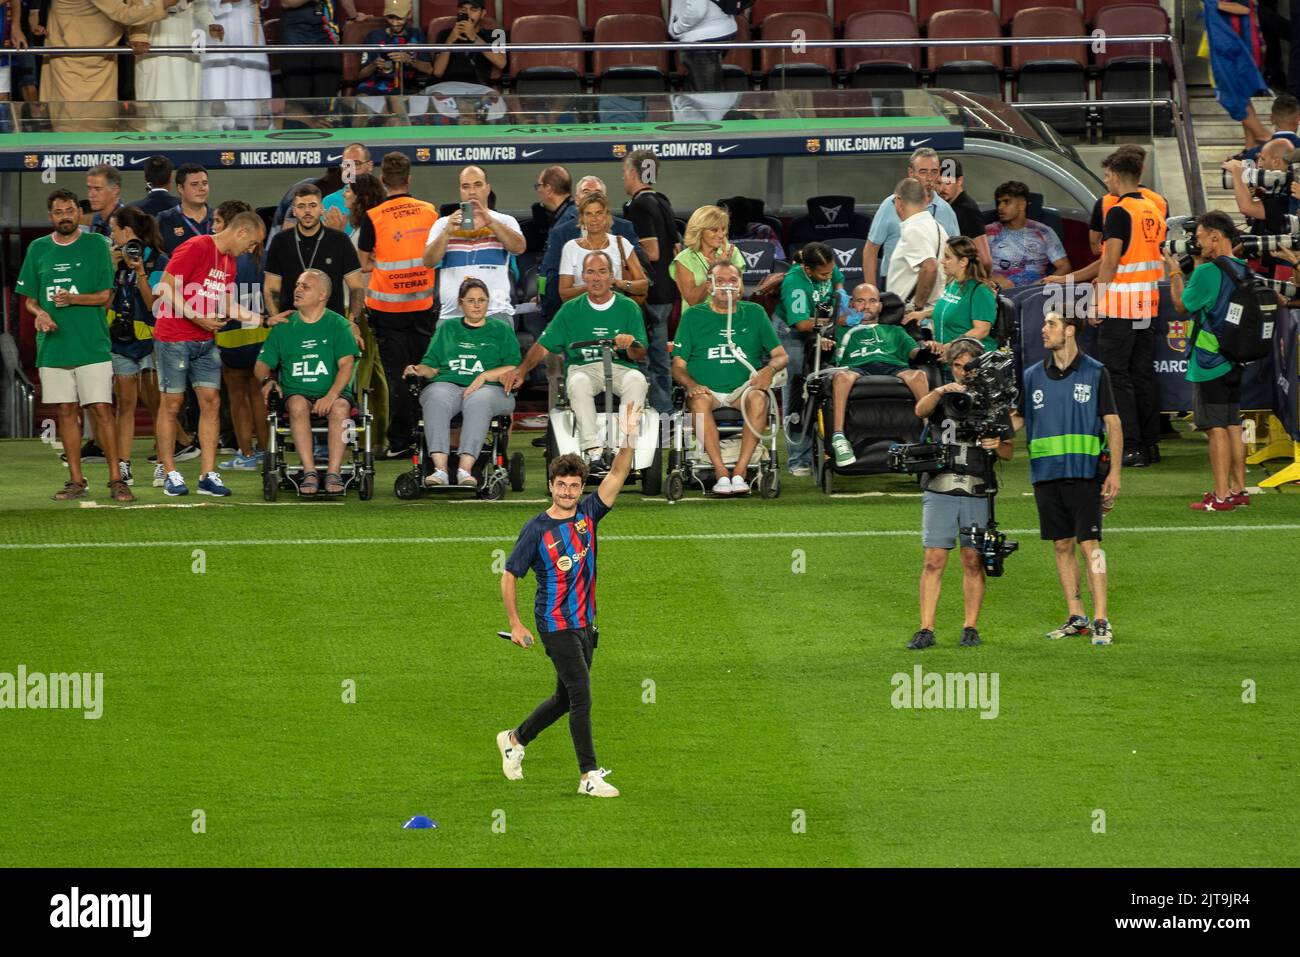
(1052, 72)
(828, 217)
(1037, 211)
(513, 10)
(547, 73)
(847, 8)
(760, 260)
(848, 256)
(811, 69)
(926, 9)
(976, 68)
(354, 32)
(1009, 9)
(596, 9)
(763, 9)
(896, 67)
(630, 71)
(1092, 8)
(1127, 71)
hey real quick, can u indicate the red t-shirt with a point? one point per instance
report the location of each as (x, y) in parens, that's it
(205, 277)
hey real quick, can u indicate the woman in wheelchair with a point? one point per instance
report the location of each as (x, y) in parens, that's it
(467, 360)
(968, 306)
(313, 350)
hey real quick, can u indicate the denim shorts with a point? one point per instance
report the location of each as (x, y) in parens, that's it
(195, 362)
(125, 365)
(943, 516)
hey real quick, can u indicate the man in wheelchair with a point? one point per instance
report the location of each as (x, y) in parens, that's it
(868, 347)
(715, 360)
(599, 313)
(308, 359)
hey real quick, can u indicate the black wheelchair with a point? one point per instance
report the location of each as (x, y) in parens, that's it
(688, 465)
(494, 469)
(357, 472)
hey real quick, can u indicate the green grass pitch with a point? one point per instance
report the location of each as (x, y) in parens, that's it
(771, 686)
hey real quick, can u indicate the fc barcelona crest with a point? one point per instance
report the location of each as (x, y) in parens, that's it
(814, 145)
(228, 158)
(422, 154)
(580, 526)
(31, 160)
(1176, 336)
(620, 149)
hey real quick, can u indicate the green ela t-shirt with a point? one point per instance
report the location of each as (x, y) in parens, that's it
(961, 306)
(876, 342)
(702, 343)
(460, 351)
(81, 267)
(578, 320)
(1201, 293)
(697, 265)
(308, 353)
(801, 296)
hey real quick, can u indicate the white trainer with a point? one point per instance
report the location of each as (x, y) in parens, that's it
(465, 478)
(595, 785)
(512, 757)
(436, 477)
(722, 486)
(739, 486)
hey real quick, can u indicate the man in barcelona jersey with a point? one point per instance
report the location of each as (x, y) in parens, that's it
(559, 545)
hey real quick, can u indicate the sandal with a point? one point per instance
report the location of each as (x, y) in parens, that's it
(71, 490)
(121, 491)
(334, 484)
(310, 483)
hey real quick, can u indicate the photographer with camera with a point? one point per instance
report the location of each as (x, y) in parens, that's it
(1217, 380)
(1264, 193)
(1076, 446)
(957, 497)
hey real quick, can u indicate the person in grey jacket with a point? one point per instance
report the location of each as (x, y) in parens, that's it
(701, 21)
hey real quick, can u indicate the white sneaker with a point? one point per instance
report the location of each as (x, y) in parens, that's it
(465, 478)
(512, 757)
(722, 486)
(159, 475)
(595, 785)
(125, 468)
(801, 471)
(739, 486)
(436, 477)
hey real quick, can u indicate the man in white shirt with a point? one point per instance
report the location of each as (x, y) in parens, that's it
(925, 167)
(915, 268)
(481, 248)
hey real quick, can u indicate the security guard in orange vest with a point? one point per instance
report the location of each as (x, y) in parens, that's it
(400, 294)
(1103, 205)
(1125, 303)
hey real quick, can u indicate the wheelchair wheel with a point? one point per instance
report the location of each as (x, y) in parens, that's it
(366, 486)
(406, 487)
(493, 490)
(828, 479)
(676, 487)
(270, 485)
(769, 484)
(652, 478)
(517, 472)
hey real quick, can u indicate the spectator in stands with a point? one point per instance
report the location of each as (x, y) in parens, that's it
(473, 66)
(597, 312)
(650, 213)
(312, 23)
(1023, 249)
(868, 347)
(554, 187)
(467, 361)
(311, 244)
(597, 220)
(361, 196)
(968, 307)
(172, 84)
(356, 161)
(138, 263)
(480, 248)
(916, 273)
(701, 21)
(27, 29)
(719, 370)
(237, 80)
(1216, 380)
(970, 221)
(67, 278)
(158, 176)
(104, 189)
(1236, 55)
(197, 295)
(954, 499)
(744, 224)
(314, 354)
(7, 9)
(191, 217)
(810, 295)
(397, 72)
(924, 167)
(400, 294)
(704, 244)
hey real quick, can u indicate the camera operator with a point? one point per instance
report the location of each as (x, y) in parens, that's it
(957, 497)
(1265, 210)
(1067, 406)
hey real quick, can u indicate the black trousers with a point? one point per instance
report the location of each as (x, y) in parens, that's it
(311, 76)
(1129, 356)
(703, 69)
(570, 652)
(403, 338)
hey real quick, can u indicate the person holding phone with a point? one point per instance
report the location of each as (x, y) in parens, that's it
(478, 63)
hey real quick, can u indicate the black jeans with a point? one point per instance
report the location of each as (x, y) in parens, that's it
(703, 69)
(403, 338)
(570, 652)
(1128, 355)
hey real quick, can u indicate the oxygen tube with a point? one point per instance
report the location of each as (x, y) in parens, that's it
(730, 292)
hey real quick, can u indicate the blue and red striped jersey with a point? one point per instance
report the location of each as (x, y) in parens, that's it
(562, 553)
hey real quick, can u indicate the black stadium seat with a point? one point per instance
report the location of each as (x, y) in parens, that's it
(976, 68)
(848, 256)
(1052, 72)
(828, 217)
(892, 67)
(760, 260)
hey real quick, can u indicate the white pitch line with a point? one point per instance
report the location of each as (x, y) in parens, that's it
(695, 537)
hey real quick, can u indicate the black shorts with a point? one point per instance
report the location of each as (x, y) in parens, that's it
(1218, 402)
(879, 368)
(1069, 508)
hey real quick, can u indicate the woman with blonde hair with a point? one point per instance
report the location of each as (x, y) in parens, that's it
(704, 244)
(596, 221)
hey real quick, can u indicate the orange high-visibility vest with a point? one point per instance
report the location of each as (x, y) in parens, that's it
(1133, 293)
(1162, 204)
(399, 279)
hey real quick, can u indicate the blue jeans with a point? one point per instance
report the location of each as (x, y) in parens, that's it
(798, 440)
(656, 364)
(192, 362)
